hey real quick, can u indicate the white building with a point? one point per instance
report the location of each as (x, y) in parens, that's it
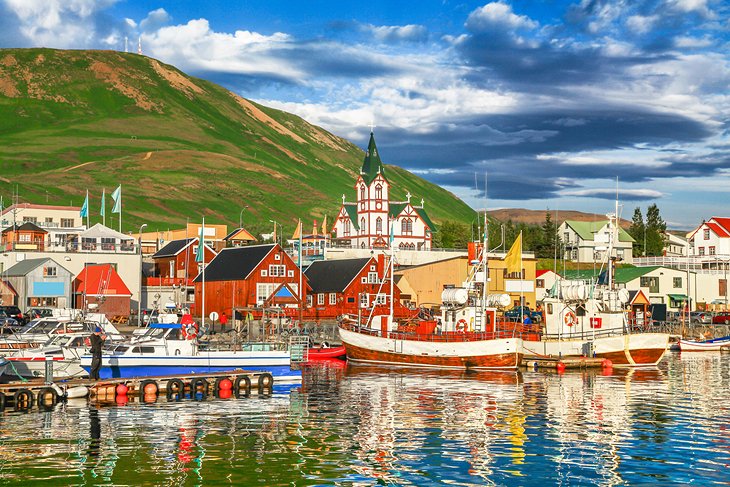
(712, 237)
(675, 246)
(589, 241)
(373, 219)
(544, 281)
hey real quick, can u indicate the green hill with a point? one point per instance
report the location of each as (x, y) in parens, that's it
(182, 147)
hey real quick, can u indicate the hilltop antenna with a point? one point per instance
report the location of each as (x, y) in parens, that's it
(126, 44)
(139, 45)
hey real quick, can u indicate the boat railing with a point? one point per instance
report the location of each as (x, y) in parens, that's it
(444, 336)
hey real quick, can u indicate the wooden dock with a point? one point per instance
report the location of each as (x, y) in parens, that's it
(563, 363)
(23, 395)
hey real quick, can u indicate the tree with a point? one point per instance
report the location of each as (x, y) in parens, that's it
(451, 235)
(636, 230)
(546, 247)
(656, 228)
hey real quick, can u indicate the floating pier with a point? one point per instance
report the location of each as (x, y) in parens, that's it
(563, 363)
(24, 395)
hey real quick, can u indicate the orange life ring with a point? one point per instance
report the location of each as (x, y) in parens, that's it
(461, 325)
(87, 341)
(190, 331)
(570, 319)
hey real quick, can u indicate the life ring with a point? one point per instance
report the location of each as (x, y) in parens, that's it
(461, 325)
(240, 390)
(570, 319)
(190, 331)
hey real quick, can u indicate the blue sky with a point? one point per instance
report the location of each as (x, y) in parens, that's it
(552, 99)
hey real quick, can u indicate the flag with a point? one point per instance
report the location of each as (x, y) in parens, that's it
(85, 208)
(103, 202)
(200, 255)
(392, 232)
(117, 197)
(324, 226)
(298, 231)
(513, 259)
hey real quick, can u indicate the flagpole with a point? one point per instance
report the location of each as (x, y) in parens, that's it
(522, 278)
(202, 242)
(103, 206)
(88, 221)
(120, 208)
(300, 270)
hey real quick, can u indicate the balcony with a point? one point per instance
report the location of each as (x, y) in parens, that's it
(168, 281)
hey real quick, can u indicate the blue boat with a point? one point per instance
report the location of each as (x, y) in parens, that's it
(175, 349)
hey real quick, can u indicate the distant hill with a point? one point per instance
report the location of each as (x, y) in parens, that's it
(537, 217)
(182, 147)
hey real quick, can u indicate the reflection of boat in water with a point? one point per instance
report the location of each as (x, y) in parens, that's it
(502, 377)
(712, 345)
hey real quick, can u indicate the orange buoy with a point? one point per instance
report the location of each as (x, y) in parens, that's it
(560, 367)
(225, 393)
(150, 397)
(606, 363)
(122, 389)
(225, 385)
(150, 389)
(122, 399)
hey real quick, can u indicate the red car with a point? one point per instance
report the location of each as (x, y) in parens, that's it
(721, 318)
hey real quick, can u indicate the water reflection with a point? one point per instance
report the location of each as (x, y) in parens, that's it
(369, 425)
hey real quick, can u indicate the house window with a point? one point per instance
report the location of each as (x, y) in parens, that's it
(67, 222)
(263, 291)
(379, 225)
(362, 225)
(333, 298)
(712, 249)
(364, 300)
(566, 237)
(309, 301)
(381, 298)
(701, 251)
(277, 257)
(378, 192)
(277, 270)
(540, 283)
(264, 273)
(406, 226)
(346, 226)
(320, 299)
(49, 220)
(706, 233)
(107, 243)
(373, 268)
(350, 299)
(24, 237)
(290, 273)
(723, 287)
(30, 219)
(677, 282)
(372, 278)
(364, 280)
(49, 271)
(651, 282)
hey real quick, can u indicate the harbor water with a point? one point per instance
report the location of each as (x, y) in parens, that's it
(355, 425)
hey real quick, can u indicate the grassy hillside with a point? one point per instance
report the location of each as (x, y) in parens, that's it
(181, 147)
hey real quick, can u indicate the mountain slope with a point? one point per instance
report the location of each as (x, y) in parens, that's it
(181, 147)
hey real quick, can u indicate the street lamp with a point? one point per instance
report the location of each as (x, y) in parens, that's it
(139, 296)
(240, 217)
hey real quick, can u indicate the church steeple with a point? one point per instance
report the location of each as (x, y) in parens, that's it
(371, 165)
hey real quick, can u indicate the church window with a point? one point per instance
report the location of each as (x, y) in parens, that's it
(362, 225)
(379, 225)
(378, 192)
(362, 192)
(406, 226)
(346, 229)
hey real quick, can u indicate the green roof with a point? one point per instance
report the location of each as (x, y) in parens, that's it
(371, 165)
(424, 216)
(587, 230)
(623, 274)
(352, 213)
(395, 209)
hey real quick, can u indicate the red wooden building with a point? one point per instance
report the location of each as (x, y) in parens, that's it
(241, 277)
(175, 263)
(345, 286)
(100, 285)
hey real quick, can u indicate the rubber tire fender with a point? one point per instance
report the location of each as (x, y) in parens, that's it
(246, 388)
(180, 390)
(194, 386)
(28, 399)
(42, 394)
(266, 381)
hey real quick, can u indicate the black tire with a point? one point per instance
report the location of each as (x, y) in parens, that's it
(40, 399)
(3, 401)
(242, 390)
(266, 381)
(179, 388)
(198, 381)
(23, 399)
(143, 385)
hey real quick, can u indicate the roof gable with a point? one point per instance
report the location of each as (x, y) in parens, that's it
(240, 234)
(173, 248)
(25, 267)
(235, 263)
(25, 227)
(587, 230)
(100, 280)
(718, 229)
(723, 222)
(330, 276)
(351, 209)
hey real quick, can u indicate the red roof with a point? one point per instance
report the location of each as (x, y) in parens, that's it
(100, 279)
(724, 223)
(540, 272)
(717, 229)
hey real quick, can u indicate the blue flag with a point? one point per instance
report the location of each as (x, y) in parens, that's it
(103, 204)
(200, 255)
(117, 197)
(85, 208)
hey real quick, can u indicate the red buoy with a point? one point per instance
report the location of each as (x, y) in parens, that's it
(122, 389)
(225, 385)
(606, 363)
(225, 393)
(560, 367)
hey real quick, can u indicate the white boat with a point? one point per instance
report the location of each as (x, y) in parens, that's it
(587, 319)
(3, 364)
(166, 349)
(38, 331)
(64, 350)
(713, 345)
(465, 337)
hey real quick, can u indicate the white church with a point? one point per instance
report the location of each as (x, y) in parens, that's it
(373, 220)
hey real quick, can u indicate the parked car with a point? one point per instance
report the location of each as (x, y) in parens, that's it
(721, 318)
(15, 313)
(700, 317)
(33, 313)
(516, 314)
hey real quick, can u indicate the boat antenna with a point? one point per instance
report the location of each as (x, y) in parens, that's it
(485, 249)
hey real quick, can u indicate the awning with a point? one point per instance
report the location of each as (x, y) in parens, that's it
(678, 297)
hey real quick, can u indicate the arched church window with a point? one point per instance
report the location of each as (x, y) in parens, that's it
(362, 192)
(378, 192)
(379, 225)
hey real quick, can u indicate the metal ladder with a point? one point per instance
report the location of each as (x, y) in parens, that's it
(299, 348)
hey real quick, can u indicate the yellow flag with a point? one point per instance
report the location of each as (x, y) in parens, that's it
(513, 259)
(298, 231)
(324, 226)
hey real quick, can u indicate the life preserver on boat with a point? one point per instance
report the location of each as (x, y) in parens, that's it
(461, 325)
(190, 331)
(570, 319)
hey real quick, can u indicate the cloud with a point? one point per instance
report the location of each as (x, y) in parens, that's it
(610, 194)
(497, 16)
(396, 33)
(155, 20)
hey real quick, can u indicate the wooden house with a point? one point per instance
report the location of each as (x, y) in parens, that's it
(347, 286)
(175, 263)
(244, 277)
(100, 288)
(239, 237)
(27, 236)
(40, 282)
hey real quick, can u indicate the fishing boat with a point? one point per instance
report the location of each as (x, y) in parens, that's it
(173, 348)
(711, 345)
(589, 319)
(64, 350)
(464, 337)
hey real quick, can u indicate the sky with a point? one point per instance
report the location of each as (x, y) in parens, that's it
(555, 104)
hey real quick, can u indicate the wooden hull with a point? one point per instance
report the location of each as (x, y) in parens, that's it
(630, 350)
(716, 345)
(499, 353)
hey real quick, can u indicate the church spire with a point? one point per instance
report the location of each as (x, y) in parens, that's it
(371, 165)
